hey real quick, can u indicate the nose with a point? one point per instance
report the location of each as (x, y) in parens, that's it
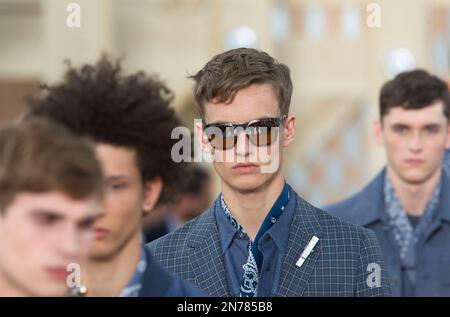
(415, 142)
(242, 144)
(70, 243)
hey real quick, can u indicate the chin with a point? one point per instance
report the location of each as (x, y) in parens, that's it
(101, 250)
(57, 291)
(248, 182)
(50, 288)
(416, 177)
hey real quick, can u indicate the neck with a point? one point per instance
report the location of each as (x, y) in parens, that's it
(414, 197)
(250, 208)
(110, 276)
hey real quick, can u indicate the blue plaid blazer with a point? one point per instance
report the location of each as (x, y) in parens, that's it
(338, 266)
(156, 282)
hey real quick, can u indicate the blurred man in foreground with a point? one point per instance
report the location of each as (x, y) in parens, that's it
(51, 192)
(130, 120)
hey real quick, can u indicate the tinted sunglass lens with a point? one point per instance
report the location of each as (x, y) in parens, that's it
(264, 132)
(220, 137)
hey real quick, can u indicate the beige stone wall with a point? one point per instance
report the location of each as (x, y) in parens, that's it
(336, 81)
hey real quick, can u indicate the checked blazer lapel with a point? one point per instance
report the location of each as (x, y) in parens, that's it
(304, 226)
(205, 258)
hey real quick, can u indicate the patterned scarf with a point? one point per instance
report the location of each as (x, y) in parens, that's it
(405, 235)
(252, 268)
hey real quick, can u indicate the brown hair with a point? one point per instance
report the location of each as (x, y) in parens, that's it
(415, 89)
(227, 73)
(39, 156)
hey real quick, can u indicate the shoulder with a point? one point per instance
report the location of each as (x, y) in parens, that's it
(347, 241)
(177, 242)
(352, 208)
(337, 235)
(347, 252)
(158, 282)
(345, 208)
(339, 228)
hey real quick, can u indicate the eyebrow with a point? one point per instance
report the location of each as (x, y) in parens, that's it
(58, 216)
(47, 212)
(228, 122)
(117, 177)
(91, 218)
(222, 122)
(434, 125)
(398, 124)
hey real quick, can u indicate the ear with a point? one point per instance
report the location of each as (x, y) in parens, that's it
(202, 138)
(152, 192)
(377, 128)
(289, 130)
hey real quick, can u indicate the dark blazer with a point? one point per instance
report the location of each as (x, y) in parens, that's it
(337, 267)
(156, 232)
(157, 282)
(367, 209)
(446, 162)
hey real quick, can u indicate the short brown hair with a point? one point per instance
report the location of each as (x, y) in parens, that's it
(227, 73)
(415, 89)
(39, 156)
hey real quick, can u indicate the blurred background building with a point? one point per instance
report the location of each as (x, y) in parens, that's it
(339, 53)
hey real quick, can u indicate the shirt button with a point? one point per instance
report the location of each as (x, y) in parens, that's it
(267, 237)
(241, 235)
(273, 220)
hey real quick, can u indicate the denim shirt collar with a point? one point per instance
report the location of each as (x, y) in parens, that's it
(278, 231)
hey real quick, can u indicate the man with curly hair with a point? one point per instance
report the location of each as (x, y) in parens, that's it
(130, 121)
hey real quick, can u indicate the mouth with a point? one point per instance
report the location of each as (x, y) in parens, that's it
(245, 167)
(58, 272)
(100, 233)
(414, 161)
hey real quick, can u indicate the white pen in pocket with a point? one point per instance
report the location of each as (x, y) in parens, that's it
(307, 251)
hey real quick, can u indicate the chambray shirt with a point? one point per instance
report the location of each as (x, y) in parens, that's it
(401, 220)
(446, 162)
(135, 284)
(272, 245)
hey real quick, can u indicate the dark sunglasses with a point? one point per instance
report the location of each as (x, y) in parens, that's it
(260, 132)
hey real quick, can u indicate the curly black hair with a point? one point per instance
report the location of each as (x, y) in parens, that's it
(100, 102)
